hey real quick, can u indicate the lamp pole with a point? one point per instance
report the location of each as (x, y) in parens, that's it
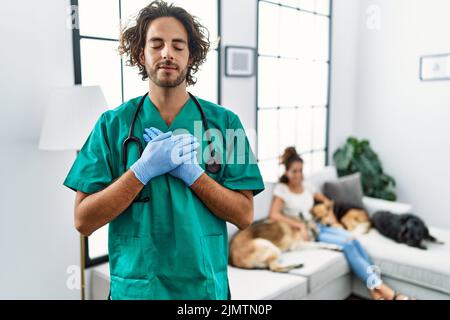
(82, 266)
(82, 262)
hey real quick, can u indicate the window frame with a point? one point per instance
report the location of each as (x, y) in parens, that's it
(278, 108)
(76, 45)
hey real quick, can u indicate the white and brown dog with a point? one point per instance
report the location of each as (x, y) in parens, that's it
(342, 215)
(261, 244)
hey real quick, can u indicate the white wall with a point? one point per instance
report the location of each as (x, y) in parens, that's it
(376, 94)
(238, 28)
(37, 239)
(344, 53)
(407, 121)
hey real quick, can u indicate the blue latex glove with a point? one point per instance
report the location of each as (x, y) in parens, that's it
(189, 171)
(163, 154)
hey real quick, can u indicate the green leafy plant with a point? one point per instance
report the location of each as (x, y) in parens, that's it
(358, 156)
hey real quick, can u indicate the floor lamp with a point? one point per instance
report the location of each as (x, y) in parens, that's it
(69, 118)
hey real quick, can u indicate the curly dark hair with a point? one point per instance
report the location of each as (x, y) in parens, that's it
(132, 39)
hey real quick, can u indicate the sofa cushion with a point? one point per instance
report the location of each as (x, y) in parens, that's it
(265, 285)
(373, 204)
(320, 266)
(346, 190)
(428, 268)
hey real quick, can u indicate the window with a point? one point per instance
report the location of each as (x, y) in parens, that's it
(97, 62)
(293, 82)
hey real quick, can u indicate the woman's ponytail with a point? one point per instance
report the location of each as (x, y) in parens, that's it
(288, 157)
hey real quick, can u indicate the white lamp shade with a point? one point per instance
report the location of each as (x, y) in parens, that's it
(70, 116)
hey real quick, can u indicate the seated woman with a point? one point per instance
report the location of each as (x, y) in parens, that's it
(292, 197)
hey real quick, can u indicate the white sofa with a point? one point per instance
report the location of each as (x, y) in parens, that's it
(424, 274)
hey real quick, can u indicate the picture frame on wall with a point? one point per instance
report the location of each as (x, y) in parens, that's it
(240, 61)
(435, 67)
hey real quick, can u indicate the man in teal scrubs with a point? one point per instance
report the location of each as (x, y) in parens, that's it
(172, 243)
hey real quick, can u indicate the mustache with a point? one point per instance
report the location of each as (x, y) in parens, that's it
(167, 64)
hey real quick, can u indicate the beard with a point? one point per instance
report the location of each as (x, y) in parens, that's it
(166, 83)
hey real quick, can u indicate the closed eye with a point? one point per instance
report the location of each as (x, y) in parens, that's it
(179, 46)
(156, 44)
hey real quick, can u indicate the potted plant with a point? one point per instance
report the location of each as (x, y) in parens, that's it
(358, 156)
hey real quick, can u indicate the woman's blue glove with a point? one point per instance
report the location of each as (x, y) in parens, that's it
(189, 171)
(163, 154)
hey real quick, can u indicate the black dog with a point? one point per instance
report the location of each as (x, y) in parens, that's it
(404, 228)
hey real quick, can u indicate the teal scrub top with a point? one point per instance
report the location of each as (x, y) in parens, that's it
(172, 247)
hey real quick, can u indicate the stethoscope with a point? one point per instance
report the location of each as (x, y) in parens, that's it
(212, 166)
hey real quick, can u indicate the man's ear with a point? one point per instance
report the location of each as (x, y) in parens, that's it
(142, 58)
